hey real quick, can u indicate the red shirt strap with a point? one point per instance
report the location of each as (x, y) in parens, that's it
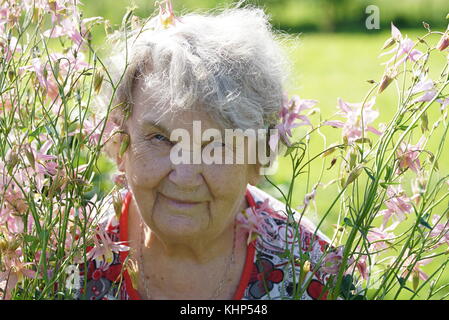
(250, 251)
(133, 294)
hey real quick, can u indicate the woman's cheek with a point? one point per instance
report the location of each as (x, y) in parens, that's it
(225, 181)
(148, 168)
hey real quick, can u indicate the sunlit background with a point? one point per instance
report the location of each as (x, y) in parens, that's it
(334, 56)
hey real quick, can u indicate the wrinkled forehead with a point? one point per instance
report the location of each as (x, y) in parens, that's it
(146, 112)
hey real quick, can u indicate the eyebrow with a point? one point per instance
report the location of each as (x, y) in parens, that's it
(147, 123)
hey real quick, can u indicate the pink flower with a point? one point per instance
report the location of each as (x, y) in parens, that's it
(444, 103)
(408, 155)
(120, 180)
(104, 248)
(417, 272)
(444, 42)
(424, 85)
(14, 204)
(252, 220)
(379, 237)
(403, 51)
(290, 111)
(15, 271)
(92, 128)
(397, 203)
(68, 64)
(440, 230)
(360, 264)
(166, 14)
(10, 48)
(362, 267)
(43, 161)
(332, 261)
(13, 222)
(355, 114)
(45, 79)
(72, 27)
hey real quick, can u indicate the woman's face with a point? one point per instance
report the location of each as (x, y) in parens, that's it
(179, 201)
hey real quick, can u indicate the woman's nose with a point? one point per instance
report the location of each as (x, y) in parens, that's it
(186, 175)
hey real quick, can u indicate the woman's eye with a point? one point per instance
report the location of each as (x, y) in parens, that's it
(159, 138)
(217, 144)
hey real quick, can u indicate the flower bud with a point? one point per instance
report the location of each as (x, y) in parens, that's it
(444, 42)
(12, 159)
(307, 266)
(117, 202)
(387, 78)
(98, 81)
(353, 175)
(388, 43)
(30, 156)
(415, 280)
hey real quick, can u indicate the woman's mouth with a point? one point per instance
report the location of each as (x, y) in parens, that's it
(180, 204)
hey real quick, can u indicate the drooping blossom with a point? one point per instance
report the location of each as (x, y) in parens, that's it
(104, 247)
(15, 270)
(444, 41)
(9, 14)
(11, 220)
(425, 86)
(444, 103)
(166, 15)
(92, 128)
(44, 163)
(389, 75)
(309, 197)
(416, 271)
(72, 26)
(10, 47)
(52, 73)
(379, 237)
(398, 205)
(356, 114)
(403, 51)
(252, 220)
(14, 204)
(360, 264)
(408, 155)
(68, 27)
(440, 230)
(332, 261)
(290, 111)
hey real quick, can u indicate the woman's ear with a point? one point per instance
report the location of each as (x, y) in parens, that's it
(120, 163)
(120, 158)
(254, 174)
(112, 149)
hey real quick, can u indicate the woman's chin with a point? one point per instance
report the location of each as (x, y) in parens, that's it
(177, 226)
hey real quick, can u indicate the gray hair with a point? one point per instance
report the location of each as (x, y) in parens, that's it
(230, 64)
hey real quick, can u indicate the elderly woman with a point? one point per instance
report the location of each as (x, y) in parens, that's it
(199, 230)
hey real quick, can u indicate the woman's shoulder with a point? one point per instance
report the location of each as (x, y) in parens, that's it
(275, 210)
(282, 249)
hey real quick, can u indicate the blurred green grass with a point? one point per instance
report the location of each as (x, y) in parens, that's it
(329, 66)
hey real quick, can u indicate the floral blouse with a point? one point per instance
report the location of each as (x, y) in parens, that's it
(268, 271)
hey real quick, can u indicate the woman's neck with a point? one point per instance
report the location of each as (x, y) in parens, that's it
(195, 269)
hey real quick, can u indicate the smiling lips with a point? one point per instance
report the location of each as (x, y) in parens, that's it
(180, 204)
